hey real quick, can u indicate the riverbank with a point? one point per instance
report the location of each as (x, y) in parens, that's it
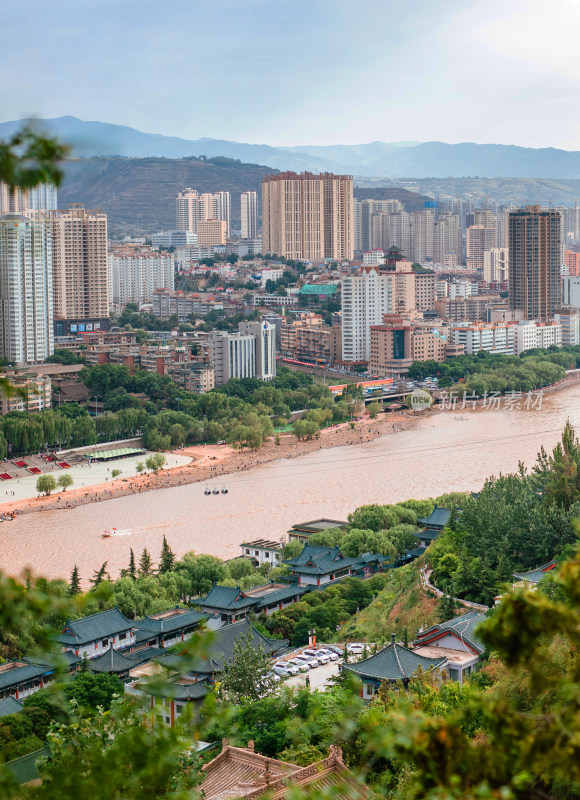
(215, 461)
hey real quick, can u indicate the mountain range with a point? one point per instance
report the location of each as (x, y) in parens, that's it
(374, 159)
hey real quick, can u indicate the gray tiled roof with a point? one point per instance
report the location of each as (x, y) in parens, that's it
(96, 626)
(148, 626)
(10, 705)
(535, 575)
(428, 535)
(280, 595)
(226, 597)
(464, 627)
(111, 661)
(317, 560)
(439, 517)
(24, 768)
(18, 675)
(392, 663)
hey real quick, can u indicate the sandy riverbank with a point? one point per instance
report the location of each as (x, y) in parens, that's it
(211, 461)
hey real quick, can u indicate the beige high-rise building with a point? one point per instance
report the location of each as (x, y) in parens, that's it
(478, 240)
(249, 214)
(192, 207)
(496, 264)
(80, 272)
(308, 217)
(211, 232)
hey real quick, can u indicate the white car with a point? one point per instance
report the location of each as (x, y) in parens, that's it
(300, 665)
(355, 649)
(330, 653)
(317, 655)
(285, 666)
(310, 662)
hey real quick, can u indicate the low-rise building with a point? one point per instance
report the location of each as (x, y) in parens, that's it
(457, 641)
(249, 353)
(20, 679)
(31, 393)
(166, 628)
(498, 338)
(232, 604)
(275, 300)
(302, 531)
(569, 319)
(263, 551)
(320, 566)
(91, 636)
(530, 334)
(167, 304)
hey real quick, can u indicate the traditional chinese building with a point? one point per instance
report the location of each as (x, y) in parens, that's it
(457, 640)
(320, 566)
(94, 635)
(232, 604)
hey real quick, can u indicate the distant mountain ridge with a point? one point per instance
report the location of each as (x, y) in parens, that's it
(375, 159)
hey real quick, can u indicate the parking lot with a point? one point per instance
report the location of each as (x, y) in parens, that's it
(319, 676)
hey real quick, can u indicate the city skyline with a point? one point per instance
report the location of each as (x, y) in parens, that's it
(123, 63)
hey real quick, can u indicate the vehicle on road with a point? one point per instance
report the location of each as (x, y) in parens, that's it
(330, 653)
(284, 666)
(311, 663)
(300, 665)
(317, 655)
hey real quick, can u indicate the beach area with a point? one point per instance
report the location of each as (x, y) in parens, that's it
(199, 463)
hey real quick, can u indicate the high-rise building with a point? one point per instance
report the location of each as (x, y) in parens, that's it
(80, 274)
(534, 261)
(422, 236)
(496, 265)
(249, 353)
(366, 225)
(249, 214)
(448, 238)
(307, 216)
(478, 240)
(26, 306)
(366, 297)
(572, 262)
(137, 271)
(39, 198)
(192, 207)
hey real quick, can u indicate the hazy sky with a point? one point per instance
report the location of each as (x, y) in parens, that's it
(301, 71)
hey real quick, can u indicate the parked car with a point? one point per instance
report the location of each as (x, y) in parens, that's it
(281, 671)
(355, 649)
(317, 655)
(290, 669)
(330, 653)
(300, 665)
(334, 648)
(308, 660)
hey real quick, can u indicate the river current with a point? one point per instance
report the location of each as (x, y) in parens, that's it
(449, 451)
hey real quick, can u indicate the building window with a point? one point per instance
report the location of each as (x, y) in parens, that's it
(105, 643)
(122, 636)
(454, 674)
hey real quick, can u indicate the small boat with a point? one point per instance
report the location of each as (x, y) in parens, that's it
(224, 490)
(207, 491)
(7, 517)
(215, 491)
(106, 533)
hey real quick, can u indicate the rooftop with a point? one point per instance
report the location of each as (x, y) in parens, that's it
(264, 544)
(96, 626)
(319, 525)
(394, 662)
(535, 575)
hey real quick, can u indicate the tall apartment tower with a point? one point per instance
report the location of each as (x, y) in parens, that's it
(26, 311)
(249, 214)
(80, 274)
(308, 217)
(39, 198)
(192, 207)
(448, 238)
(365, 299)
(534, 261)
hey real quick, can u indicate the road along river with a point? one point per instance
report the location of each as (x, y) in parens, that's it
(448, 451)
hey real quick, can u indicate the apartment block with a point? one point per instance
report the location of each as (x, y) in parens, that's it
(478, 240)
(249, 215)
(366, 297)
(192, 208)
(474, 308)
(80, 269)
(498, 338)
(496, 265)
(530, 334)
(137, 272)
(425, 295)
(569, 319)
(308, 217)
(307, 338)
(534, 261)
(26, 289)
(183, 304)
(37, 393)
(395, 344)
(211, 232)
(572, 262)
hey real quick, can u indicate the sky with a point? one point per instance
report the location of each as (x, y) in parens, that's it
(292, 72)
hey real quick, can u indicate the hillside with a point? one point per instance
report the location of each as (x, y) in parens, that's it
(371, 159)
(412, 201)
(138, 194)
(401, 604)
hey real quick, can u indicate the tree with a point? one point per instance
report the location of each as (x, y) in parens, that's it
(28, 159)
(247, 676)
(45, 484)
(64, 481)
(99, 575)
(145, 563)
(140, 466)
(115, 473)
(353, 396)
(202, 572)
(93, 690)
(374, 409)
(132, 571)
(167, 558)
(447, 607)
(155, 461)
(74, 583)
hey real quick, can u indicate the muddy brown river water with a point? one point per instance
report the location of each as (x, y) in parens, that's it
(449, 451)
